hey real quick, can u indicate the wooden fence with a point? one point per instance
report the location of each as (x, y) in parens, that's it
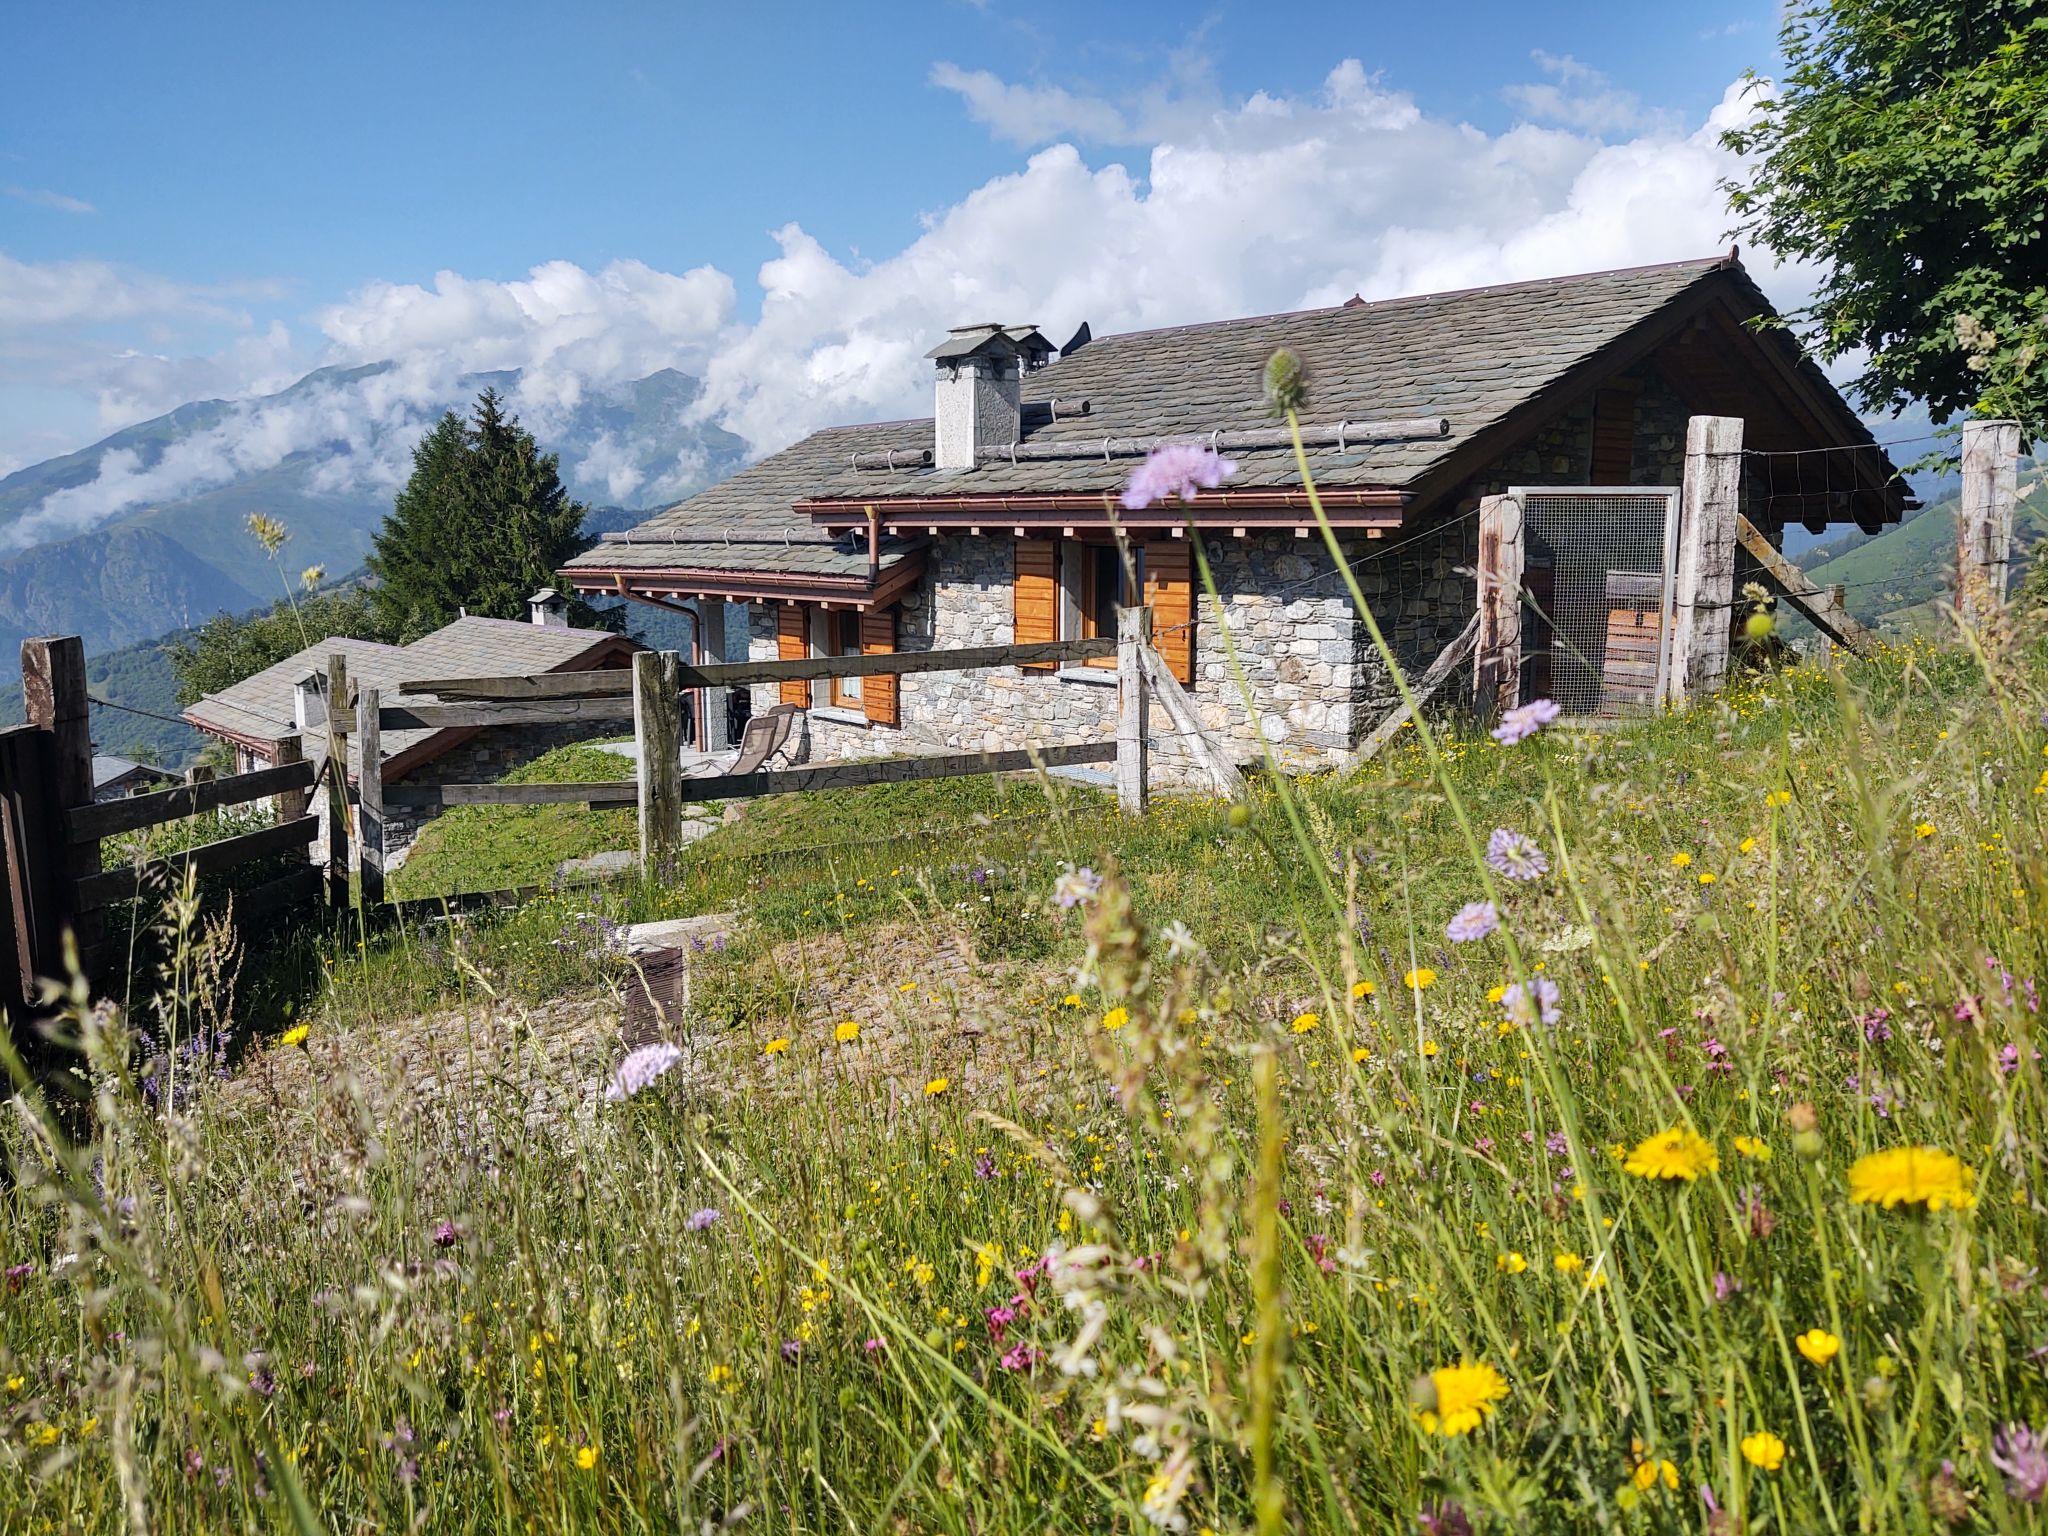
(53, 830)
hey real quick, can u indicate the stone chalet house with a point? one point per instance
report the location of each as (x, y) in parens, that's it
(991, 522)
(288, 700)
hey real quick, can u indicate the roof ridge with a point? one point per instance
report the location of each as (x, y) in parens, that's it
(1728, 258)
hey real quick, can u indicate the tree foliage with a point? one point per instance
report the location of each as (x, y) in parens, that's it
(482, 522)
(1906, 150)
(226, 649)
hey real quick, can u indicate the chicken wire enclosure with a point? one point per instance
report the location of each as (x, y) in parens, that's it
(1598, 567)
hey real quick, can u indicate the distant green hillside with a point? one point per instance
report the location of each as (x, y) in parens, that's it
(1893, 578)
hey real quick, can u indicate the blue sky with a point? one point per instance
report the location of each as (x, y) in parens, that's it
(209, 199)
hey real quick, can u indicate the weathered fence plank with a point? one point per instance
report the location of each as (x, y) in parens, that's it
(442, 717)
(108, 818)
(1423, 689)
(34, 880)
(1497, 668)
(113, 885)
(369, 798)
(738, 674)
(1984, 517)
(1709, 503)
(1180, 709)
(53, 698)
(334, 764)
(893, 770)
(433, 797)
(1823, 608)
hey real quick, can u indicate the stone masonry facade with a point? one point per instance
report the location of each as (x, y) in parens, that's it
(1316, 681)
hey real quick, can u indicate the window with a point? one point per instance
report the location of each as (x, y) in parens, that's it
(1094, 584)
(836, 632)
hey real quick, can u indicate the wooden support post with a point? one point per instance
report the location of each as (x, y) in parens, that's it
(53, 700)
(29, 850)
(1133, 710)
(291, 803)
(369, 800)
(1180, 709)
(711, 645)
(1991, 455)
(336, 758)
(658, 732)
(1497, 669)
(1707, 514)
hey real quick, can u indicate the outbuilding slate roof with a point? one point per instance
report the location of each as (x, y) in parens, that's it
(261, 707)
(748, 523)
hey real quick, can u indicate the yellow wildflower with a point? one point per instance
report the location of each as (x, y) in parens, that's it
(1818, 1345)
(847, 1033)
(296, 1035)
(1366, 988)
(1116, 1019)
(776, 1046)
(1763, 1450)
(937, 1086)
(586, 1456)
(1567, 1263)
(1674, 1154)
(1419, 979)
(1754, 1147)
(1304, 1022)
(1923, 829)
(1456, 1399)
(1913, 1176)
(1510, 1263)
(1680, 860)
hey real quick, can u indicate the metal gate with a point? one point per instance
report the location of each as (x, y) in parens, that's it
(1598, 568)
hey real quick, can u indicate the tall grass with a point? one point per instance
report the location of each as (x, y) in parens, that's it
(1239, 1211)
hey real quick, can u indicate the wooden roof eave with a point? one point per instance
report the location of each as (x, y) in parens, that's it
(653, 583)
(1275, 507)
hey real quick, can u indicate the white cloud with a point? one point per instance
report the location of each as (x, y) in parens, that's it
(1272, 202)
(42, 197)
(1032, 114)
(34, 295)
(1577, 96)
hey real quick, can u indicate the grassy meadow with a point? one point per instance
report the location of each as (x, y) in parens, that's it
(1253, 1201)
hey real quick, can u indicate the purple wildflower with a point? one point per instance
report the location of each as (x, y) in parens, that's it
(984, 1165)
(447, 1235)
(1725, 1285)
(1176, 470)
(1534, 1003)
(1876, 1028)
(2008, 1059)
(2022, 1455)
(707, 1217)
(1521, 723)
(1475, 920)
(1445, 1519)
(873, 1346)
(999, 1320)
(1021, 1358)
(1515, 856)
(641, 1068)
(1075, 886)
(17, 1274)
(1556, 1144)
(792, 1349)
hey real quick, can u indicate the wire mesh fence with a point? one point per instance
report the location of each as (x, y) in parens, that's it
(1598, 577)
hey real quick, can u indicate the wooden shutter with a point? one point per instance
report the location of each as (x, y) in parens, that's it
(793, 643)
(1170, 594)
(1035, 597)
(878, 691)
(1614, 436)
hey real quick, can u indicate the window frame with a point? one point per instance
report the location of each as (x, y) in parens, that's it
(1078, 565)
(836, 632)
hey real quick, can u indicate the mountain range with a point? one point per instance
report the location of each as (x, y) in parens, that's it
(146, 530)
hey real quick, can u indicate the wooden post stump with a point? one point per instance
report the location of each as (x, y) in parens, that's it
(1709, 506)
(658, 732)
(1991, 453)
(1497, 669)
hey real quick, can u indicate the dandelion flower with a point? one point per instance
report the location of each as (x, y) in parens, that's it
(1176, 471)
(296, 1035)
(1363, 989)
(641, 1068)
(1913, 1176)
(1360, 1054)
(1116, 1019)
(1924, 829)
(1421, 979)
(1680, 860)
(776, 1046)
(1818, 1345)
(847, 1033)
(1674, 1154)
(1524, 721)
(1515, 856)
(1456, 1399)
(937, 1086)
(1304, 1023)
(1763, 1450)
(1475, 920)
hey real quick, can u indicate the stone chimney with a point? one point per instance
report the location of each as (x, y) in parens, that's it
(979, 397)
(548, 609)
(309, 702)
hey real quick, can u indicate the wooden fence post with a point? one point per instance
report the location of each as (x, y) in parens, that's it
(53, 700)
(1991, 455)
(30, 853)
(337, 781)
(369, 799)
(1497, 669)
(657, 732)
(1707, 513)
(1133, 710)
(291, 803)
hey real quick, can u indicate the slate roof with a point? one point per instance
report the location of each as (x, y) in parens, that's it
(1471, 357)
(747, 522)
(261, 707)
(107, 768)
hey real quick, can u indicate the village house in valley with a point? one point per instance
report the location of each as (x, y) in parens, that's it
(997, 519)
(287, 701)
